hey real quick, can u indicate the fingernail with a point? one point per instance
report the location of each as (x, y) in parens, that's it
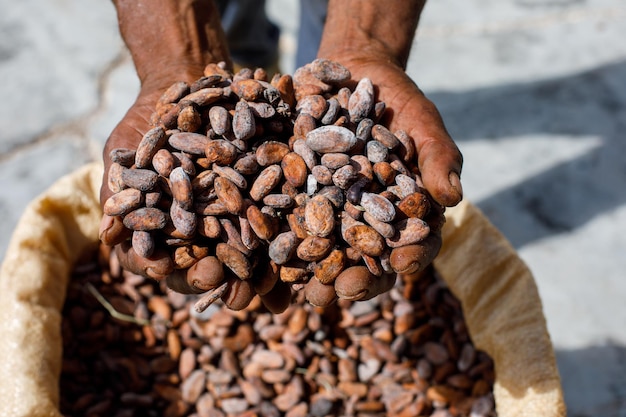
(455, 182)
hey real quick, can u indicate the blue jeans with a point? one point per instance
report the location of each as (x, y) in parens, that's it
(253, 38)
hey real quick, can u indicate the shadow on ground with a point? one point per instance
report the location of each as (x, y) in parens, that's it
(594, 375)
(569, 194)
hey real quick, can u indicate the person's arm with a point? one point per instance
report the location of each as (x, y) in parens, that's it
(169, 41)
(373, 39)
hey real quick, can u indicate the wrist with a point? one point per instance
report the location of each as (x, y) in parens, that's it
(171, 40)
(370, 30)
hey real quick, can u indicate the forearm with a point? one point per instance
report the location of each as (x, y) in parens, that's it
(171, 39)
(371, 28)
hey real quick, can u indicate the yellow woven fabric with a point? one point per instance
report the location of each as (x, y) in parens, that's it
(497, 291)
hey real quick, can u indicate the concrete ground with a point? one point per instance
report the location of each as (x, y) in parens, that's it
(533, 91)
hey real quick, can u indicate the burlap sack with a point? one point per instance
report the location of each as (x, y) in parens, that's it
(497, 291)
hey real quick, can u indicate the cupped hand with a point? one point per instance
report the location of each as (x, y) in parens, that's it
(438, 158)
(160, 266)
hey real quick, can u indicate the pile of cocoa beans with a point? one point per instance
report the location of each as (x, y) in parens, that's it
(292, 183)
(133, 347)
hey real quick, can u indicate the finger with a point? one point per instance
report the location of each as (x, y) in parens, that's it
(206, 274)
(158, 266)
(357, 283)
(319, 294)
(112, 230)
(439, 159)
(278, 299)
(414, 258)
(239, 293)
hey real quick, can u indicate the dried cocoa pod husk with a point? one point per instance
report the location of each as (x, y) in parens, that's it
(139, 179)
(229, 195)
(182, 191)
(146, 219)
(319, 216)
(234, 260)
(365, 239)
(361, 100)
(271, 152)
(123, 202)
(189, 142)
(319, 294)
